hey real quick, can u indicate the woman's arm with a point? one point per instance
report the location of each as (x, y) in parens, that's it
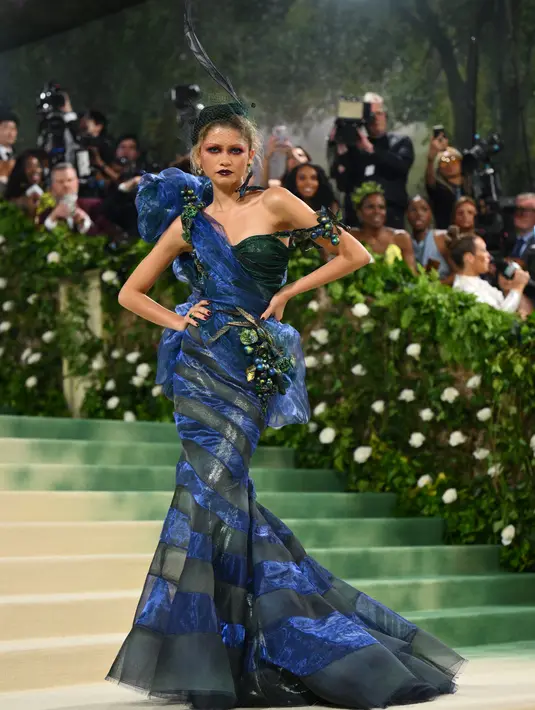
(290, 212)
(133, 295)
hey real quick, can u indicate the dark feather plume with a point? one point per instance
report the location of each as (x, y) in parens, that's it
(202, 57)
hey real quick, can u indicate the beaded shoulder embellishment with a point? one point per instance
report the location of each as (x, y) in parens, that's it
(192, 206)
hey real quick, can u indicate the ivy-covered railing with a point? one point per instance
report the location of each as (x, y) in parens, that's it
(415, 388)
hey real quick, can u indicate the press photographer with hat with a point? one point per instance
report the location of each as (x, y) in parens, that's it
(378, 155)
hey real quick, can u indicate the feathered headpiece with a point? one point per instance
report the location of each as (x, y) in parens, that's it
(218, 111)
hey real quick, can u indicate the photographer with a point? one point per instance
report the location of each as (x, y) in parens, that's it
(376, 155)
(93, 129)
(472, 259)
(9, 128)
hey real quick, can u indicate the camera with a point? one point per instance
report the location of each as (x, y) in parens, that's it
(186, 99)
(353, 114)
(482, 151)
(184, 96)
(51, 127)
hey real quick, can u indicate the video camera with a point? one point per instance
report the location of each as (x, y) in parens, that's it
(353, 114)
(51, 126)
(186, 99)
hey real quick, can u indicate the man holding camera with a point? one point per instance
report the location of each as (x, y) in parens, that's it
(377, 155)
(9, 128)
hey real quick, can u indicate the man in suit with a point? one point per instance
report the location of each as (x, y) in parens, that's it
(9, 128)
(82, 215)
(522, 248)
(377, 155)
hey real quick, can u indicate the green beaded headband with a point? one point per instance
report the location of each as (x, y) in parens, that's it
(364, 191)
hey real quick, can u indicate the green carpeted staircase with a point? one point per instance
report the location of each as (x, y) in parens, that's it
(81, 508)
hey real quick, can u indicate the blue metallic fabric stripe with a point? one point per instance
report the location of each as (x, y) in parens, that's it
(233, 635)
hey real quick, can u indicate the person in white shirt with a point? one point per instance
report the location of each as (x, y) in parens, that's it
(64, 188)
(470, 255)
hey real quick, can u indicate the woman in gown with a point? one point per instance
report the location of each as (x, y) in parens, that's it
(233, 611)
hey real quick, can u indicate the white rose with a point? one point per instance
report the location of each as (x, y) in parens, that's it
(327, 435)
(129, 417)
(34, 358)
(5, 325)
(414, 350)
(457, 438)
(378, 406)
(508, 535)
(362, 454)
(137, 381)
(495, 470)
(143, 370)
(449, 395)
(407, 396)
(116, 354)
(314, 306)
(112, 403)
(48, 337)
(109, 386)
(358, 370)
(321, 336)
(426, 415)
(311, 361)
(25, 355)
(532, 442)
(2, 239)
(31, 382)
(109, 276)
(312, 427)
(7, 306)
(98, 363)
(424, 481)
(416, 440)
(133, 357)
(481, 454)
(450, 496)
(53, 258)
(156, 390)
(320, 408)
(394, 334)
(484, 414)
(32, 298)
(360, 310)
(328, 359)
(474, 382)
(3, 282)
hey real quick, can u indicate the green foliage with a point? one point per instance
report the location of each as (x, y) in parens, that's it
(479, 358)
(44, 289)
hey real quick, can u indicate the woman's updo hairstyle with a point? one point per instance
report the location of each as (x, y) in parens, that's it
(243, 125)
(460, 245)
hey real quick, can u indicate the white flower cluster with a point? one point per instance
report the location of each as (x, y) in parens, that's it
(360, 310)
(508, 535)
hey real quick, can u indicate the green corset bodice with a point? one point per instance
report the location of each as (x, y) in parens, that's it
(265, 258)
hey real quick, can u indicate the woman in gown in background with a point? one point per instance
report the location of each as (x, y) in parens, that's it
(233, 611)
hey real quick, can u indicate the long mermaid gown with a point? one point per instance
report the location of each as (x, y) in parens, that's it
(233, 611)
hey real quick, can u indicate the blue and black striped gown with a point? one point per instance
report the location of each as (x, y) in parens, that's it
(233, 611)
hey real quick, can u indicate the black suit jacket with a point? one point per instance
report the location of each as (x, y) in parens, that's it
(392, 159)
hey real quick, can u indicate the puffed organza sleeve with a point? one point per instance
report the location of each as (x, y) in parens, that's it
(160, 199)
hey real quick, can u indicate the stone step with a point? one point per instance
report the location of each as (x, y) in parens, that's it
(69, 477)
(477, 626)
(66, 506)
(96, 573)
(78, 614)
(432, 593)
(19, 427)
(123, 453)
(60, 662)
(123, 537)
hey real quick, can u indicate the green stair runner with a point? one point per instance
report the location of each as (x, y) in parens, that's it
(116, 471)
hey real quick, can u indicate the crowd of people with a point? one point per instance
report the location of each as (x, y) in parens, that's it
(440, 229)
